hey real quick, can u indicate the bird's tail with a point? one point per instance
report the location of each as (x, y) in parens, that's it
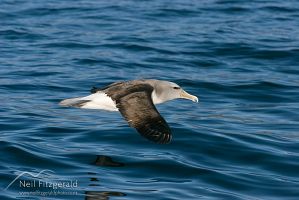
(74, 102)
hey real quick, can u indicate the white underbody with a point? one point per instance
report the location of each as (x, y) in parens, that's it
(99, 101)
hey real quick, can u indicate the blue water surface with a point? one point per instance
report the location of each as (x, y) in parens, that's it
(239, 57)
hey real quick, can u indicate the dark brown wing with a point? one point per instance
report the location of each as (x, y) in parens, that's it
(95, 89)
(135, 104)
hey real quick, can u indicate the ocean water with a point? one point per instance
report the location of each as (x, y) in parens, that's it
(241, 141)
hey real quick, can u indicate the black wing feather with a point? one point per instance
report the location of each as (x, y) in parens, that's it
(136, 106)
(95, 89)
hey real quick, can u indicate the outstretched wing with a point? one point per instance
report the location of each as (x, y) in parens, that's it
(136, 106)
(95, 89)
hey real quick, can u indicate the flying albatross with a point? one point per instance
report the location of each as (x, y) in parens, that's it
(135, 100)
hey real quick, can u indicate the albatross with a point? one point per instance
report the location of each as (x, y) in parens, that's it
(136, 101)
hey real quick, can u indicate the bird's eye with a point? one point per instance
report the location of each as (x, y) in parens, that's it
(176, 88)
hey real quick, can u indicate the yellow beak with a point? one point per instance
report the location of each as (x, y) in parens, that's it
(185, 95)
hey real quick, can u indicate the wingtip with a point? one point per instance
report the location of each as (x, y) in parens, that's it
(156, 136)
(166, 139)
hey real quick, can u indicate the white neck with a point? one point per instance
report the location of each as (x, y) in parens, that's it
(156, 100)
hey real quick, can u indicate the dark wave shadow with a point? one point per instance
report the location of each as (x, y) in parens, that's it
(102, 195)
(107, 161)
(103, 161)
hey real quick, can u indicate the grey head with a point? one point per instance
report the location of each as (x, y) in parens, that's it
(166, 90)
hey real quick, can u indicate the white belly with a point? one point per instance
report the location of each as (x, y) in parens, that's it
(99, 101)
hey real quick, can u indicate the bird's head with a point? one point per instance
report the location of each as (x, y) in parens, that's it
(166, 91)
